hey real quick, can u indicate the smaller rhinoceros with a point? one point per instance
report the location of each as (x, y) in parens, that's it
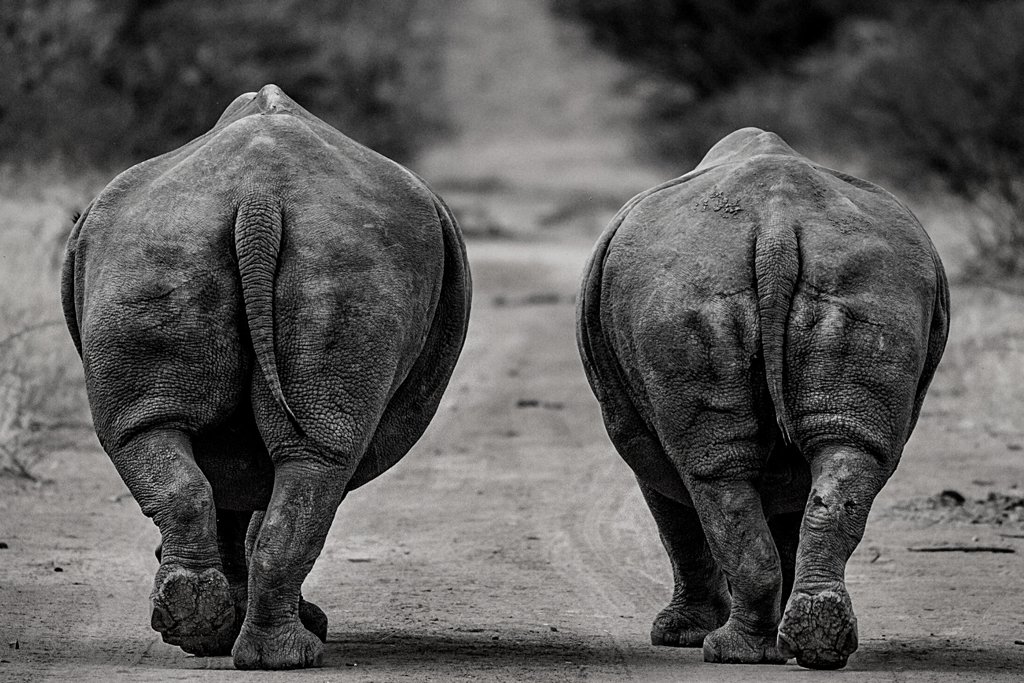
(760, 333)
(267, 317)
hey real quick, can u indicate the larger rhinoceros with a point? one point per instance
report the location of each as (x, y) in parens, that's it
(267, 318)
(760, 333)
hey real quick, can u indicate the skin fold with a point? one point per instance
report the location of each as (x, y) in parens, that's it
(267, 318)
(760, 334)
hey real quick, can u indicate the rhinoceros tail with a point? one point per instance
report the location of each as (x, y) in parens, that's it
(776, 268)
(258, 229)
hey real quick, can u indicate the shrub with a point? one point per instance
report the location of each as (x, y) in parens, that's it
(116, 82)
(945, 99)
(710, 45)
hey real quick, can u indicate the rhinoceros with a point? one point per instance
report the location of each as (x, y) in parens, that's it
(760, 334)
(267, 318)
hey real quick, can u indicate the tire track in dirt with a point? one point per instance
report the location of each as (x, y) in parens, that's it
(510, 544)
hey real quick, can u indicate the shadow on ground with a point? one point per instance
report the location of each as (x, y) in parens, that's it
(936, 654)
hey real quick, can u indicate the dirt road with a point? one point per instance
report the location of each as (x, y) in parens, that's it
(512, 543)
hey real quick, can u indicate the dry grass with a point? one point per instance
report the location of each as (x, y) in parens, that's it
(41, 385)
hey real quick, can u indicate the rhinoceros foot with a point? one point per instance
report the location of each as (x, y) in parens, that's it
(313, 618)
(731, 645)
(194, 610)
(291, 646)
(686, 626)
(819, 629)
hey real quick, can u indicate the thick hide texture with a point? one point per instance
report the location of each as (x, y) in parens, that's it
(267, 318)
(760, 334)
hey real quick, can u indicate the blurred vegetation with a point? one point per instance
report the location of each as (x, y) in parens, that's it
(923, 94)
(91, 86)
(943, 98)
(709, 45)
(106, 82)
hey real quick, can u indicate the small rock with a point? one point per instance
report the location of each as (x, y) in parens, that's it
(58, 569)
(3, 546)
(554, 629)
(951, 497)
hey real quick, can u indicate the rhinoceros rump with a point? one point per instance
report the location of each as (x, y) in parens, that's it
(267, 318)
(760, 334)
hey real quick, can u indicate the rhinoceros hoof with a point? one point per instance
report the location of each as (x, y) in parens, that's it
(686, 627)
(820, 630)
(730, 645)
(291, 646)
(314, 619)
(194, 610)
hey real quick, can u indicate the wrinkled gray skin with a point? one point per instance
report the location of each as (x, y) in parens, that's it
(760, 334)
(267, 318)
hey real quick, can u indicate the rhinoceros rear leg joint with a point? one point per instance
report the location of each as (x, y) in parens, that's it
(700, 598)
(743, 547)
(191, 603)
(819, 627)
(281, 629)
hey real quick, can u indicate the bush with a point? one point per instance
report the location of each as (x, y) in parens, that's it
(710, 45)
(103, 82)
(945, 99)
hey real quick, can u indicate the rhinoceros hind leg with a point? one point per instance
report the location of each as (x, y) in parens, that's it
(311, 616)
(286, 645)
(191, 603)
(194, 610)
(743, 547)
(734, 645)
(700, 597)
(819, 627)
(820, 630)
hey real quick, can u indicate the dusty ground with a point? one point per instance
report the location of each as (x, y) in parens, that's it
(512, 543)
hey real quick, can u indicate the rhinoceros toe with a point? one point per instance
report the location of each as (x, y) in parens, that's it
(686, 626)
(313, 618)
(291, 646)
(731, 645)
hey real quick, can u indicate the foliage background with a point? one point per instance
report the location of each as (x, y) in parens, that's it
(104, 82)
(923, 95)
(926, 97)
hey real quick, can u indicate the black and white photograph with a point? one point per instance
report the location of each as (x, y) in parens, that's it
(511, 340)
